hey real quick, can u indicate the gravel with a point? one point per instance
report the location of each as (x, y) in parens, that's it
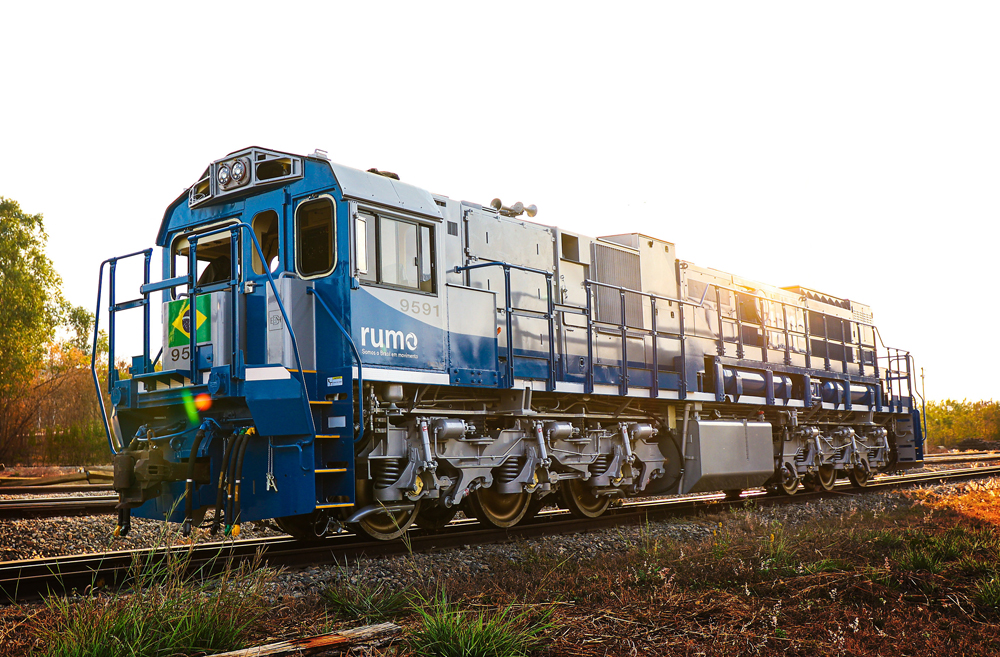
(46, 537)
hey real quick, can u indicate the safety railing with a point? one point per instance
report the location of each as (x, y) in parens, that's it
(234, 285)
(622, 326)
(897, 378)
(510, 312)
(112, 309)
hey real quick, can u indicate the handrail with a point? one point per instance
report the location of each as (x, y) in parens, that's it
(233, 228)
(147, 253)
(147, 288)
(508, 310)
(357, 356)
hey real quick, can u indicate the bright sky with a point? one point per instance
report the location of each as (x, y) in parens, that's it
(850, 147)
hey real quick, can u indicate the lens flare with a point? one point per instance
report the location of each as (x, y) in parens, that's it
(190, 407)
(203, 402)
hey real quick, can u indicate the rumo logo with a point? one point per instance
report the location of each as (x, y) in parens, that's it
(388, 339)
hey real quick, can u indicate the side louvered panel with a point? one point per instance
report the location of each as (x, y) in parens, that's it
(621, 268)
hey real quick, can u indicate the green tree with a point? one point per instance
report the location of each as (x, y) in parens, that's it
(949, 422)
(34, 366)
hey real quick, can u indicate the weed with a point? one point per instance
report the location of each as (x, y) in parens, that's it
(165, 613)
(886, 538)
(826, 566)
(447, 631)
(988, 591)
(970, 565)
(917, 558)
(364, 601)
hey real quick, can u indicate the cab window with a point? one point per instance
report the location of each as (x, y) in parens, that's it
(265, 229)
(394, 252)
(315, 238)
(214, 255)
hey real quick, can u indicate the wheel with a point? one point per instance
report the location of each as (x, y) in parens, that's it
(435, 518)
(860, 474)
(789, 482)
(500, 510)
(826, 478)
(733, 495)
(580, 501)
(306, 526)
(387, 525)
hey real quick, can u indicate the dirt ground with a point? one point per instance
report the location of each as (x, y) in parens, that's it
(922, 579)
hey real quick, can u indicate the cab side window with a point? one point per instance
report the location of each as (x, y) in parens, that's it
(265, 229)
(315, 238)
(394, 252)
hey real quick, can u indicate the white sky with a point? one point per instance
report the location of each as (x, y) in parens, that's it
(849, 147)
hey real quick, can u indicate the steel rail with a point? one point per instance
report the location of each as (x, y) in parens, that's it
(29, 579)
(49, 507)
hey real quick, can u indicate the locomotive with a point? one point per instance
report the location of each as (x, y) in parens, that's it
(341, 349)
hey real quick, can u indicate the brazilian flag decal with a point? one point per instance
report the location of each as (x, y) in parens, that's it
(179, 321)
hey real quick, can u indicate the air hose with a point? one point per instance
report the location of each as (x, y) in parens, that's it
(189, 484)
(234, 528)
(220, 494)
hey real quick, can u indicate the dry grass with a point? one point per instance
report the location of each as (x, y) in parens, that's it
(920, 580)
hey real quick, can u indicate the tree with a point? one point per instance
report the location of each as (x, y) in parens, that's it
(949, 422)
(32, 307)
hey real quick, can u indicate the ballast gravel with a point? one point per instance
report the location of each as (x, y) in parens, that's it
(45, 537)
(50, 537)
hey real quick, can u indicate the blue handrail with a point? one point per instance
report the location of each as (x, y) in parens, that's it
(147, 288)
(147, 253)
(357, 356)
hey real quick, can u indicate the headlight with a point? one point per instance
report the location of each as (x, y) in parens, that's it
(224, 175)
(239, 170)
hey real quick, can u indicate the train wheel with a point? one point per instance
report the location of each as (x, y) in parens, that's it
(826, 478)
(499, 509)
(383, 526)
(388, 525)
(734, 494)
(306, 526)
(580, 501)
(860, 474)
(789, 482)
(434, 518)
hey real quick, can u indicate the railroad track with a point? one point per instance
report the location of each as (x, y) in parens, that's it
(47, 507)
(104, 504)
(23, 580)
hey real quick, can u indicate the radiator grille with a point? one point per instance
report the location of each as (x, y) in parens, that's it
(616, 267)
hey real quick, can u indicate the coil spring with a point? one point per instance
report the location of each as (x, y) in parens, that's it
(386, 472)
(600, 466)
(508, 470)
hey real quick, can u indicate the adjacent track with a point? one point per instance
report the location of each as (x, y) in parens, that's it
(47, 507)
(28, 579)
(104, 504)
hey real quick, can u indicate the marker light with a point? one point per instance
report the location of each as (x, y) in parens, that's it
(239, 170)
(224, 175)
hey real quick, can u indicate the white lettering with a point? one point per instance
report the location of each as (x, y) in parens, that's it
(388, 339)
(393, 339)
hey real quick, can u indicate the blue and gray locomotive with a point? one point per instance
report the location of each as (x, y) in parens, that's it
(342, 349)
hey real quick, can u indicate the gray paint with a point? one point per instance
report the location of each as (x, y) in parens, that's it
(373, 188)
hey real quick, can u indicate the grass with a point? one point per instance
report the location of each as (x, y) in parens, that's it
(917, 579)
(165, 613)
(447, 630)
(988, 591)
(364, 601)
